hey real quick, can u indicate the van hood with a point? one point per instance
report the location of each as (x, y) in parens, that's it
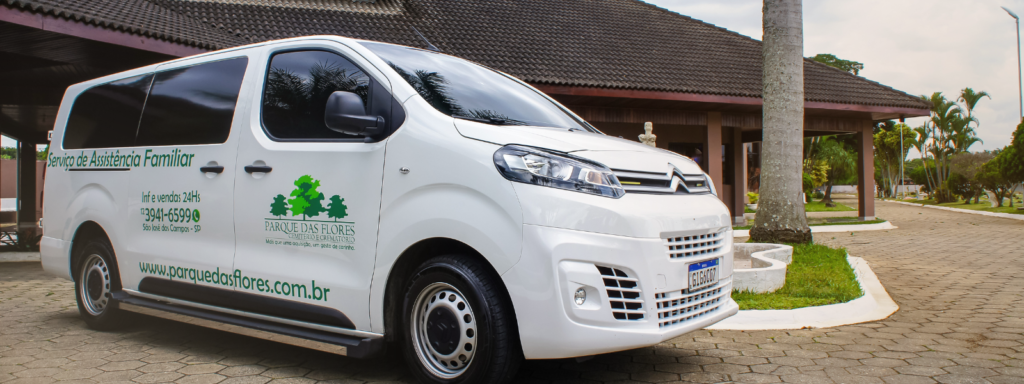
(616, 153)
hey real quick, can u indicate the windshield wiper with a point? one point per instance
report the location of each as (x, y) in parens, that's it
(491, 120)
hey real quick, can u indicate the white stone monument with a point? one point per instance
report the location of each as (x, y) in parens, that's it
(648, 137)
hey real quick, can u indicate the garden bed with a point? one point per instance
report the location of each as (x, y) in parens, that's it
(818, 275)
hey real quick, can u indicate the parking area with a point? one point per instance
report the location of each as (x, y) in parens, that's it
(958, 278)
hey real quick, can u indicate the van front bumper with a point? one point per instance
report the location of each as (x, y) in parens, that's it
(636, 292)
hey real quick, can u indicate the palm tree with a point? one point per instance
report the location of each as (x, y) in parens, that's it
(923, 136)
(970, 99)
(781, 216)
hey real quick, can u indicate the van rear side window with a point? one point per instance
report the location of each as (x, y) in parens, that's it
(107, 116)
(192, 105)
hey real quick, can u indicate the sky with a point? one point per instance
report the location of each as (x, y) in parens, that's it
(916, 46)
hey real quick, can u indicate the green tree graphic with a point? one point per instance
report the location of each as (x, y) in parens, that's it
(306, 201)
(337, 209)
(316, 204)
(298, 201)
(279, 207)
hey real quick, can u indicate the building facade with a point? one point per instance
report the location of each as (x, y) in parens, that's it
(617, 63)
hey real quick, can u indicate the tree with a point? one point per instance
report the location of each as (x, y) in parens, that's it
(337, 209)
(841, 164)
(961, 186)
(948, 133)
(279, 207)
(835, 62)
(889, 154)
(966, 167)
(781, 216)
(306, 200)
(1012, 157)
(994, 179)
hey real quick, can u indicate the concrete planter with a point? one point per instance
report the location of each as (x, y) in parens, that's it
(760, 267)
(752, 207)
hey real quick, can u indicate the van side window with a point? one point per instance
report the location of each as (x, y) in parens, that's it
(192, 105)
(107, 116)
(297, 87)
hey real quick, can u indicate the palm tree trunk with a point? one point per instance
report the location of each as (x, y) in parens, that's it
(828, 193)
(781, 216)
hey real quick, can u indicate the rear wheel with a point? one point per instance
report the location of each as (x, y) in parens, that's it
(95, 280)
(459, 326)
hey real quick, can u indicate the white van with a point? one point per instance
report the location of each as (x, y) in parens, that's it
(346, 195)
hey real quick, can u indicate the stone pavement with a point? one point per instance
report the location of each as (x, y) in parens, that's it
(958, 278)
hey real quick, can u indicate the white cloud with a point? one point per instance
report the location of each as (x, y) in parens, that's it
(916, 46)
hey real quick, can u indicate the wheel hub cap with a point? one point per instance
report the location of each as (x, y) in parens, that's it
(95, 285)
(444, 330)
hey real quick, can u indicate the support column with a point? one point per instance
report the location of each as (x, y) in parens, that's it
(739, 177)
(26, 185)
(713, 152)
(866, 173)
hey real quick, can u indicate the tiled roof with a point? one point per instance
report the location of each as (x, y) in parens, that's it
(139, 17)
(620, 44)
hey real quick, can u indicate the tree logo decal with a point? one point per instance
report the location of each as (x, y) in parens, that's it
(307, 201)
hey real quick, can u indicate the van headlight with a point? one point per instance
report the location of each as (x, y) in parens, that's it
(556, 170)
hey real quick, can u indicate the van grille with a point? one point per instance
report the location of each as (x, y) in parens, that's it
(678, 307)
(693, 245)
(623, 294)
(671, 182)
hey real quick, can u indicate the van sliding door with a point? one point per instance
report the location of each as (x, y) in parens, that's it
(180, 227)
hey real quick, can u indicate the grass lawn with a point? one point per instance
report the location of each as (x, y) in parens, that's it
(817, 206)
(818, 275)
(983, 206)
(833, 221)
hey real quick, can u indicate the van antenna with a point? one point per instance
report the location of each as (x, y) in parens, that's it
(429, 46)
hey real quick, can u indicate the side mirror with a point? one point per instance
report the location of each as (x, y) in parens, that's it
(346, 113)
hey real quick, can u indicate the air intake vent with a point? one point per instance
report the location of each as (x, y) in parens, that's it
(678, 307)
(694, 245)
(623, 294)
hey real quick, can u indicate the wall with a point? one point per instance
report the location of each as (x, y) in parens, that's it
(667, 133)
(9, 185)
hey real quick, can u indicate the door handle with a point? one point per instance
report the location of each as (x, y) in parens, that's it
(212, 169)
(258, 168)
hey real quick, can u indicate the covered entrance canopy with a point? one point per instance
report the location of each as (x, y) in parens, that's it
(617, 63)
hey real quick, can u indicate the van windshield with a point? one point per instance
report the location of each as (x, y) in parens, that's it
(469, 91)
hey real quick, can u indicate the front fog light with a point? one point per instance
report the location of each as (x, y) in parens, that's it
(580, 297)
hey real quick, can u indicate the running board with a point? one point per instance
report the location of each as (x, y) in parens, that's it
(306, 338)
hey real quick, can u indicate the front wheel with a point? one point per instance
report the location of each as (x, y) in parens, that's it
(459, 325)
(95, 279)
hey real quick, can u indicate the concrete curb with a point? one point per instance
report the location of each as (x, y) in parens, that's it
(12, 257)
(768, 266)
(873, 306)
(971, 211)
(832, 228)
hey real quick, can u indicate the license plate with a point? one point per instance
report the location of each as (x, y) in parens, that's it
(703, 274)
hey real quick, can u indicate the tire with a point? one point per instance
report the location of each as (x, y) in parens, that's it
(458, 324)
(96, 277)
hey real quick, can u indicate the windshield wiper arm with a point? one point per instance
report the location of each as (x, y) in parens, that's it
(491, 120)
